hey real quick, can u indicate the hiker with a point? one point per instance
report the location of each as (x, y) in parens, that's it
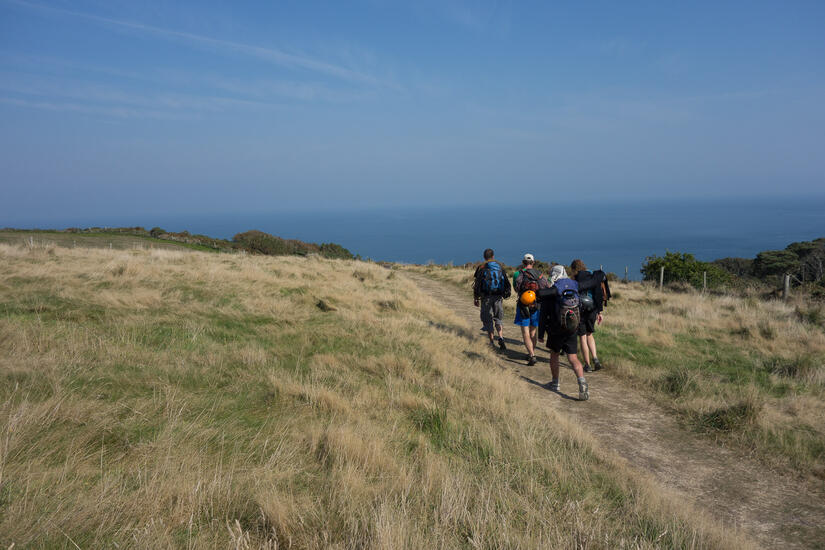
(560, 307)
(490, 287)
(527, 284)
(592, 306)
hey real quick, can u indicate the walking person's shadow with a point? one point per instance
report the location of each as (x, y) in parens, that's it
(546, 387)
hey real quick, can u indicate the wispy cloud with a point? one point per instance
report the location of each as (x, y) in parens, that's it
(271, 55)
(34, 91)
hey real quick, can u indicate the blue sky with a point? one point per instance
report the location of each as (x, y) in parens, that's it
(166, 107)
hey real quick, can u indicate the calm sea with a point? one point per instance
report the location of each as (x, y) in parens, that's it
(609, 234)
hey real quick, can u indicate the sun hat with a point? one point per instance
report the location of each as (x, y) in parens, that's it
(558, 272)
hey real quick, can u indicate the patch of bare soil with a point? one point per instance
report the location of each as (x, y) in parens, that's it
(775, 508)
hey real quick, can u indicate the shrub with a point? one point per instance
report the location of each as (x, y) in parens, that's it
(333, 250)
(775, 263)
(682, 267)
(258, 242)
(740, 267)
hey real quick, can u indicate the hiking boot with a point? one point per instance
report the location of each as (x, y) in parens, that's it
(501, 345)
(531, 361)
(587, 368)
(597, 364)
(584, 395)
(553, 385)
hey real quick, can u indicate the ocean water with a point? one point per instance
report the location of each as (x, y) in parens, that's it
(609, 234)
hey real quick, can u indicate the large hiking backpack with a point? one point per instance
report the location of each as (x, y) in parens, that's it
(529, 281)
(568, 315)
(492, 279)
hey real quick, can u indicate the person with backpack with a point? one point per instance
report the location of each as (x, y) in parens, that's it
(527, 283)
(592, 306)
(490, 287)
(560, 307)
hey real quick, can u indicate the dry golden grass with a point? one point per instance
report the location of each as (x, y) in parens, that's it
(170, 399)
(714, 355)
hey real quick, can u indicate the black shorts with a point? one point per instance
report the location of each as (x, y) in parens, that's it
(587, 325)
(566, 343)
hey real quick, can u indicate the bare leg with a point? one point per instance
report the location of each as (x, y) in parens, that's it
(585, 351)
(591, 343)
(577, 365)
(554, 365)
(528, 340)
(534, 337)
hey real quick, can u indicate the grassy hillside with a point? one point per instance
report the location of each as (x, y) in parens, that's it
(252, 242)
(101, 239)
(153, 398)
(746, 371)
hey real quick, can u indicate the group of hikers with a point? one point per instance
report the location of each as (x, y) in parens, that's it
(563, 307)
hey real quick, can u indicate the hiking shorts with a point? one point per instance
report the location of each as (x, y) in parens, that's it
(531, 321)
(491, 312)
(563, 343)
(587, 325)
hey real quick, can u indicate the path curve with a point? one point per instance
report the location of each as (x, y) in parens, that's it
(776, 510)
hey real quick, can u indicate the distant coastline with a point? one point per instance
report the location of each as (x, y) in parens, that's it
(608, 234)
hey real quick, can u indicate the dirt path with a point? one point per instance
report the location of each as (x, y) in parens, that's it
(777, 510)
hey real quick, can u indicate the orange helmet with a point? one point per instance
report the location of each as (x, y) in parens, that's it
(528, 297)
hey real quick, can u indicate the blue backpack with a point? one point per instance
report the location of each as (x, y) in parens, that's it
(492, 279)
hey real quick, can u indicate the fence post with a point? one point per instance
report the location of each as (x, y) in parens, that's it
(704, 281)
(625, 273)
(661, 277)
(786, 287)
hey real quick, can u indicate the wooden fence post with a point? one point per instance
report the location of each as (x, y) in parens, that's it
(704, 281)
(625, 273)
(786, 287)
(661, 277)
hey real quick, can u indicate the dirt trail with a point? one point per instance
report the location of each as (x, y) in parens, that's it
(777, 510)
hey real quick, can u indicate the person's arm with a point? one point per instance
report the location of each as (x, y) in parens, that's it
(476, 289)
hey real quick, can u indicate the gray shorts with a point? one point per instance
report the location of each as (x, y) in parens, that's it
(491, 312)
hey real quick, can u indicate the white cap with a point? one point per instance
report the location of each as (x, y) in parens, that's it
(529, 258)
